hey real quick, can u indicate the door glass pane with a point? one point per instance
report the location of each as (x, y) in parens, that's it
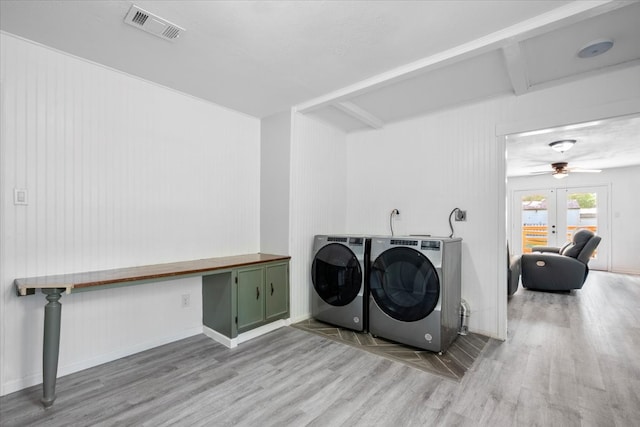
(336, 274)
(535, 221)
(582, 212)
(404, 284)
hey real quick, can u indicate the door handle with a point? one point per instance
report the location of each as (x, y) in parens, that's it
(272, 289)
(257, 292)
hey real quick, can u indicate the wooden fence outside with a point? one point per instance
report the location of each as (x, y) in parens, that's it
(536, 235)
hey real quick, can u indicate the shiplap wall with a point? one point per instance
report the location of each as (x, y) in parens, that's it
(275, 153)
(119, 172)
(318, 199)
(425, 168)
(624, 205)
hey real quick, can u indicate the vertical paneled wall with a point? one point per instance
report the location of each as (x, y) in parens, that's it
(119, 172)
(318, 199)
(275, 153)
(425, 168)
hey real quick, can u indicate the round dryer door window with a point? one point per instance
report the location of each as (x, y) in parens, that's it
(404, 284)
(336, 274)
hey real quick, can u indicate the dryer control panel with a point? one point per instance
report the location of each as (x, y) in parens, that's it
(430, 245)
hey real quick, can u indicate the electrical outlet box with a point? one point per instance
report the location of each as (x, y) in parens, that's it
(20, 196)
(186, 300)
(461, 215)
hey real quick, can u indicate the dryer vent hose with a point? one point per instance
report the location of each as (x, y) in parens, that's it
(465, 312)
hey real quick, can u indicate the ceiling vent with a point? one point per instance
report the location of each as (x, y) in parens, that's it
(153, 24)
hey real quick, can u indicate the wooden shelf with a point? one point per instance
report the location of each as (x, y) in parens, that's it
(145, 273)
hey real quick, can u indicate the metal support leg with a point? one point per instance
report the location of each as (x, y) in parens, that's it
(51, 347)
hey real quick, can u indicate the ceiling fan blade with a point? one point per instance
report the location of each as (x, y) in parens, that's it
(540, 172)
(579, 170)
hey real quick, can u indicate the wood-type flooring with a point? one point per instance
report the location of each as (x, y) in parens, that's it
(571, 359)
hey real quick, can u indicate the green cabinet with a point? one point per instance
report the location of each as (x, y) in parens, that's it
(250, 298)
(263, 295)
(219, 298)
(277, 292)
(240, 299)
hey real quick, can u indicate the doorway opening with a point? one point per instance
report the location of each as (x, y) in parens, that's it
(606, 139)
(550, 217)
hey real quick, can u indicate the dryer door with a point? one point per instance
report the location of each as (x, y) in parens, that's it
(336, 274)
(404, 284)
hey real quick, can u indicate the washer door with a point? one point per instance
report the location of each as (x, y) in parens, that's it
(404, 284)
(336, 274)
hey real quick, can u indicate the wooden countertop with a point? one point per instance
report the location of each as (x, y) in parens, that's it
(27, 286)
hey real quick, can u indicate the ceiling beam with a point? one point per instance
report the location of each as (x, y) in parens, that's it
(516, 68)
(590, 73)
(572, 12)
(360, 114)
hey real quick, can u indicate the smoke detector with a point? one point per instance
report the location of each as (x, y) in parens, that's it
(595, 48)
(153, 24)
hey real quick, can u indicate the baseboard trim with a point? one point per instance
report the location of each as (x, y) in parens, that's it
(265, 329)
(245, 336)
(301, 318)
(625, 271)
(220, 338)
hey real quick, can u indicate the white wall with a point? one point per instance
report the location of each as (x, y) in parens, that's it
(318, 199)
(624, 206)
(275, 156)
(428, 165)
(119, 172)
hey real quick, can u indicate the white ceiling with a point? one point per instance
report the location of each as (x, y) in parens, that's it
(262, 57)
(600, 144)
(356, 64)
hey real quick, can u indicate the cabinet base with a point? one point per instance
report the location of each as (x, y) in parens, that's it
(245, 336)
(220, 338)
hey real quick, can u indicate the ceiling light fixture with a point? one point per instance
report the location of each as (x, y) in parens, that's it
(560, 174)
(595, 48)
(562, 145)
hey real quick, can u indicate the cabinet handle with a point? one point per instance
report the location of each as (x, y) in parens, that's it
(257, 292)
(272, 289)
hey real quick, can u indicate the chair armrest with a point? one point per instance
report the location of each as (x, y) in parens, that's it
(513, 276)
(550, 249)
(551, 271)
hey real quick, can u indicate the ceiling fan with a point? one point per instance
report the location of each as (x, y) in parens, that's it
(561, 170)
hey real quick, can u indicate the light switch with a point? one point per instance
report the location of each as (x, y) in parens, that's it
(19, 196)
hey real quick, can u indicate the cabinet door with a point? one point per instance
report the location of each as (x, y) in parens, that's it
(250, 298)
(277, 292)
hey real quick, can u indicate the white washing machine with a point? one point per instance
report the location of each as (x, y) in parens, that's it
(415, 286)
(339, 274)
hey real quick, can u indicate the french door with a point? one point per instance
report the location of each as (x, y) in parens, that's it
(550, 216)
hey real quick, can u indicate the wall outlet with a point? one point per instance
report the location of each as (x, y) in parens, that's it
(186, 300)
(20, 196)
(461, 215)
